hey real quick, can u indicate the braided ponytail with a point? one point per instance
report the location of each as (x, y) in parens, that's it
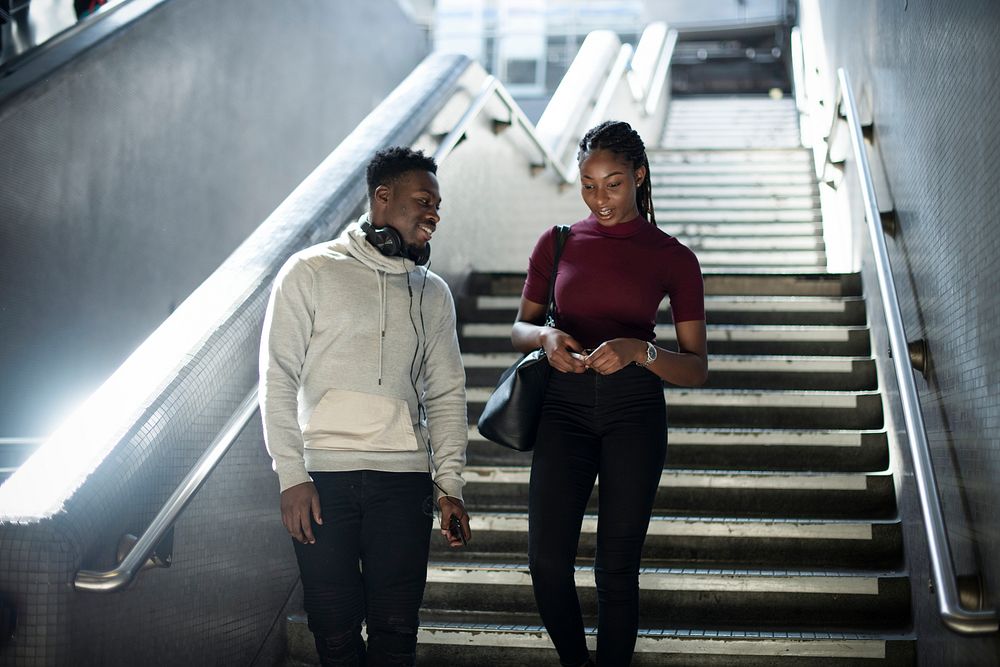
(619, 138)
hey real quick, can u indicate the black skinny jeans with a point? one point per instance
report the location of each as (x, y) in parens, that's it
(369, 563)
(611, 427)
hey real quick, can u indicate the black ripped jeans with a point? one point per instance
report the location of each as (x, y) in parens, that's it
(369, 563)
(612, 428)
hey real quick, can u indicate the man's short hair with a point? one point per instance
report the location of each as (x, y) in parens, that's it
(391, 163)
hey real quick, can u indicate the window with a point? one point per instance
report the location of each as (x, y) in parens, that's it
(522, 71)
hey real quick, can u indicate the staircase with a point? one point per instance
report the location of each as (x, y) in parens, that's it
(775, 537)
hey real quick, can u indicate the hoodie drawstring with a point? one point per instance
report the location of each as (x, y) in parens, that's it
(380, 279)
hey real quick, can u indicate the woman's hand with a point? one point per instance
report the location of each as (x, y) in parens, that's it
(530, 334)
(616, 354)
(558, 346)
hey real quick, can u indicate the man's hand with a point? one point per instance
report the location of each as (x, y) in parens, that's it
(453, 507)
(297, 504)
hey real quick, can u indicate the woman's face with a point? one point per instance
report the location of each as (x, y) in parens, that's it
(608, 185)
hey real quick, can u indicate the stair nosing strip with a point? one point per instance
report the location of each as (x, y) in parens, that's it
(862, 584)
(718, 479)
(803, 645)
(707, 527)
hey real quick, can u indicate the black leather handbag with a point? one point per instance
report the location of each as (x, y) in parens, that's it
(514, 409)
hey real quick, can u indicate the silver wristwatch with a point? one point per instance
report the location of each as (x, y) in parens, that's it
(650, 355)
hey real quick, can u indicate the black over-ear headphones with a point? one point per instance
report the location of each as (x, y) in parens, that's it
(391, 244)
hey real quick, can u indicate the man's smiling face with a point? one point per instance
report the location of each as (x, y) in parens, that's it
(409, 205)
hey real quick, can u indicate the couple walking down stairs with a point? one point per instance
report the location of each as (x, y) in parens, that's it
(775, 537)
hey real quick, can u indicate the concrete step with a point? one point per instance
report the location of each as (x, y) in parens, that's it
(778, 111)
(717, 103)
(706, 177)
(712, 112)
(746, 169)
(689, 598)
(454, 644)
(811, 450)
(744, 230)
(722, 309)
(774, 449)
(709, 117)
(761, 139)
(745, 408)
(784, 284)
(728, 371)
(712, 125)
(788, 260)
(717, 493)
(706, 541)
(784, 156)
(669, 217)
(752, 244)
(736, 191)
(722, 339)
(716, 283)
(721, 136)
(797, 310)
(447, 642)
(746, 203)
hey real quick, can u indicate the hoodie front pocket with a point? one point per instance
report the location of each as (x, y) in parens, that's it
(355, 421)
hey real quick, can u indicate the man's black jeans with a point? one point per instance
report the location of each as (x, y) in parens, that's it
(612, 428)
(369, 563)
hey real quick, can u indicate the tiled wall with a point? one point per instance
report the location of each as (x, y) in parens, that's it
(931, 74)
(232, 563)
(232, 570)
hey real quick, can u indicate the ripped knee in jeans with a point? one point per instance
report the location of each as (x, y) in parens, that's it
(345, 648)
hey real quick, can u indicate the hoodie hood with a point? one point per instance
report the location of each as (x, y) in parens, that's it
(353, 242)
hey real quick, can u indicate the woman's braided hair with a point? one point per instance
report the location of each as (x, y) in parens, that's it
(619, 138)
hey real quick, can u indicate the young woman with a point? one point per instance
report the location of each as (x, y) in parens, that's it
(604, 414)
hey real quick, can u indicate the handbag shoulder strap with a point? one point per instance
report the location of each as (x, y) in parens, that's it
(561, 234)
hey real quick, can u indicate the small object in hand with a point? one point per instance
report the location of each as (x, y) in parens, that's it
(455, 528)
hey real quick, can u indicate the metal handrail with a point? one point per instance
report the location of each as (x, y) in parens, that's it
(954, 615)
(492, 87)
(120, 577)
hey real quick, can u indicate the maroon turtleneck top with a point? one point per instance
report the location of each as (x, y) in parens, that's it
(611, 280)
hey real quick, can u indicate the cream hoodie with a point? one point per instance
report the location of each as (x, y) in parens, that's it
(341, 335)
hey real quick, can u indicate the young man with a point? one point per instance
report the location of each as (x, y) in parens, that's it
(362, 394)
